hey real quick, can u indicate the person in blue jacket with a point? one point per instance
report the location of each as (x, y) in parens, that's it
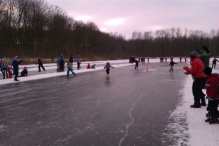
(107, 67)
(15, 64)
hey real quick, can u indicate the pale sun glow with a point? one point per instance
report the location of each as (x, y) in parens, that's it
(115, 22)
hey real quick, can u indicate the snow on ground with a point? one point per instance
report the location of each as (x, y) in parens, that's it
(188, 125)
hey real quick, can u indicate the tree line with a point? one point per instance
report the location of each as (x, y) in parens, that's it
(34, 28)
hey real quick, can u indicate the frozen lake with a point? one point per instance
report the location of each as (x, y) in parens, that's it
(127, 107)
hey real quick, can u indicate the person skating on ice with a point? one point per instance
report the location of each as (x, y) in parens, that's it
(107, 67)
(70, 69)
(40, 64)
(214, 63)
(171, 65)
(136, 63)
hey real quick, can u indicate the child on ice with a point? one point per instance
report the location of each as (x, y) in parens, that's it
(212, 94)
(70, 68)
(107, 67)
(171, 65)
(24, 72)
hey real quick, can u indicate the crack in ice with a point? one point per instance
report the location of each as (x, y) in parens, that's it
(132, 121)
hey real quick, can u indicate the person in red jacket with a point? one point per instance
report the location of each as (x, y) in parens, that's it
(88, 66)
(196, 71)
(40, 64)
(212, 92)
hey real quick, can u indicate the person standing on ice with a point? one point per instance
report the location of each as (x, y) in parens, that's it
(171, 65)
(40, 64)
(61, 61)
(78, 60)
(15, 64)
(70, 69)
(136, 63)
(107, 67)
(212, 92)
(196, 71)
(4, 66)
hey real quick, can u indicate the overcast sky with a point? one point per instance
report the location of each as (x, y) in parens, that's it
(127, 16)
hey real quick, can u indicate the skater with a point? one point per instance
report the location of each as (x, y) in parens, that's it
(185, 59)
(9, 71)
(196, 71)
(136, 63)
(15, 64)
(148, 59)
(71, 59)
(40, 64)
(78, 60)
(107, 67)
(212, 92)
(180, 58)
(171, 65)
(88, 66)
(214, 63)
(24, 72)
(93, 66)
(205, 55)
(70, 69)
(4, 66)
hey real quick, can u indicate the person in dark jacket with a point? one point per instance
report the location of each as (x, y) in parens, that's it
(196, 71)
(212, 94)
(78, 60)
(15, 64)
(136, 63)
(40, 64)
(71, 59)
(214, 63)
(4, 66)
(171, 65)
(61, 62)
(107, 67)
(93, 66)
(24, 72)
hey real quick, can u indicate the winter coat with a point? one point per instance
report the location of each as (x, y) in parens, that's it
(215, 61)
(24, 73)
(78, 60)
(70, 65)
(4, 64)
(196, 69)
(205, 57)
(108, 66)
(15, 64)
(39, 61)
(212, 86)
(59, 59)
(71, 60)
(172, 63)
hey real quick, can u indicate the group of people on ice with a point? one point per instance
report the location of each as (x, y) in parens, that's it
(204, 78)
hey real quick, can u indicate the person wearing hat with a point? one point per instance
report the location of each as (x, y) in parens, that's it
(15, 64)
(24, 72)
(4, 66)
(205, 55)
(196, 70)
(212, 91)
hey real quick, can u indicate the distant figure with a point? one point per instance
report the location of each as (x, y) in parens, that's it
(9, 71)
(15, 64)
(107, 67)
(40, 64)
(171, 65)
(165, 59)
(136, 63)
(180, 58)
(4, 66)
(214, 63)
(78, 60)
(24, 72)
(93, 66)
(71, 59)
(70, 69)
(88, 66)
(148, 59)
(185, 59)
(61, 62)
